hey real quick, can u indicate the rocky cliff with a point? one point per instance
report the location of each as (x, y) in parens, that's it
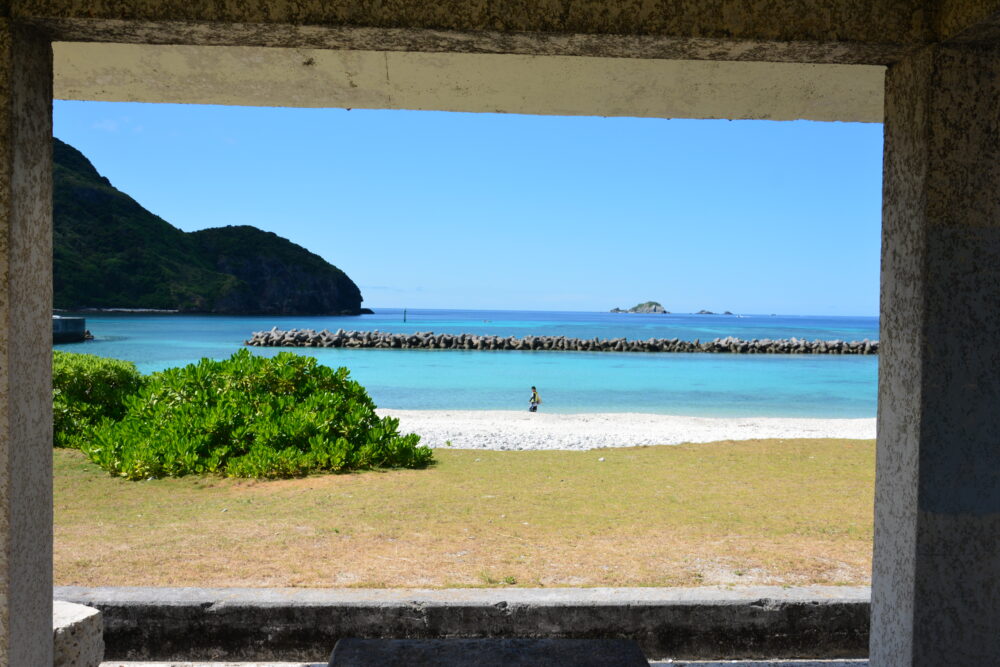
(275, 275)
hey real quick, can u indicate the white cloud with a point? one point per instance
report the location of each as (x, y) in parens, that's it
(106, 125)
(385, 288)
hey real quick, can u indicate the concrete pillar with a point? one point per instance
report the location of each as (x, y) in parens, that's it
(25, 347)
(936, 578)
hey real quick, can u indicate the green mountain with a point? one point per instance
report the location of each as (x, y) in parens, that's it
(110, 252)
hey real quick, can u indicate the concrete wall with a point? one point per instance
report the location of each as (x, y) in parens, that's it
(303, 624)
(68, 329)
(809, 31)
(25, 347)
(936, 505)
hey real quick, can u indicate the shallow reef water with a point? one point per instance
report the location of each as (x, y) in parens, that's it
(729, 385)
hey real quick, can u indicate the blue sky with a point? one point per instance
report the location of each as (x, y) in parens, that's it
(453, 210)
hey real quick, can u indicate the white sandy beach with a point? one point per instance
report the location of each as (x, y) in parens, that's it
(507, 430)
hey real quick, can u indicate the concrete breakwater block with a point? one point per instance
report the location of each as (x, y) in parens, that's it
(487, 653)
(428, 340)
(77, 634)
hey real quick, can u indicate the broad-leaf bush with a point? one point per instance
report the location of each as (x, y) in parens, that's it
(251, 416)
(87, 389)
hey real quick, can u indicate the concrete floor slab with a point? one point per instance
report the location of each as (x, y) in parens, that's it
(352, 652)
(655, 663)
(762, 663)
(119, 663)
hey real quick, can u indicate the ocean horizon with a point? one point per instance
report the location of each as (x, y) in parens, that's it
(711, 385)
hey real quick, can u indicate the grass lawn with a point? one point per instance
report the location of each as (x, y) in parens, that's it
(763, 511)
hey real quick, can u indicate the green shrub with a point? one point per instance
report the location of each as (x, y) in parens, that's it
(87, 389)
(251, 416)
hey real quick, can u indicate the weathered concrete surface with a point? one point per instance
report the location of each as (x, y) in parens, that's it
(651, 59)
(763, 663)
(560, 85)
(304, 624)
(967, 20)
(936, 590)
(173, 663)
(655, 663)
(68, 329)
(77, 635)
(827, 31)
(487, 653)
(25, 348)
(936, 506)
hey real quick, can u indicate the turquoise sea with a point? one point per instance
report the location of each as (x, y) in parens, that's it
(679, 384)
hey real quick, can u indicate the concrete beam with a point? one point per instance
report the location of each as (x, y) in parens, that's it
(935, 591)
(558, 85)
(304, 624)
(810, 31)
(25, 347)
(967, 21)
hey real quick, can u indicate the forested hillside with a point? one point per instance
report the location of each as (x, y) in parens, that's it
(110, 252)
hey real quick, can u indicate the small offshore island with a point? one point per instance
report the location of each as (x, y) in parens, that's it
(655, 308)
(645, 307)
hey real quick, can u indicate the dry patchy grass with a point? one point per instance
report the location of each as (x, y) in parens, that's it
(765, 511)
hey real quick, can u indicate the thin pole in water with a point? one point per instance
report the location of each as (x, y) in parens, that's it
(404, 314)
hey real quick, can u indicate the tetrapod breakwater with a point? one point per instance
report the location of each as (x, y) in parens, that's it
(428, 340)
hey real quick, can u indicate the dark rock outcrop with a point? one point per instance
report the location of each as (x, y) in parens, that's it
(274, 275)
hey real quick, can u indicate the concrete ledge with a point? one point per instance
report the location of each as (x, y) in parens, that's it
(488, 653)
(670, 663)
(77, 634)
(304, 624)
(119, 663)
(68, 329)
(765, 663)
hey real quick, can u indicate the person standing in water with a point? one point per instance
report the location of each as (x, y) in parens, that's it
(535, 400)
